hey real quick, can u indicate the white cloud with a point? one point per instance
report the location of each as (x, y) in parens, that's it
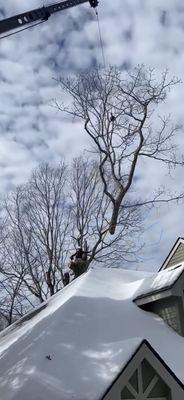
(30, 130)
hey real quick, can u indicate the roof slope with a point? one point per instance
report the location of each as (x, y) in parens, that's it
(160, 281)
(90, 330)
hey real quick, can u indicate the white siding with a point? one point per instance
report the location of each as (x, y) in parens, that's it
(177, 257)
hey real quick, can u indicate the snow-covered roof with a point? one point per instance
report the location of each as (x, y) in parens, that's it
(159, 281)
(89, 331)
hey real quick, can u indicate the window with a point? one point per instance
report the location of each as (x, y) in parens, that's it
(145, 383)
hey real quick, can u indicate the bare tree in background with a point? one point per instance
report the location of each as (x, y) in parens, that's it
(49, 218)
(36, 245)
(14, 301)
(119, 116)
(45, 220)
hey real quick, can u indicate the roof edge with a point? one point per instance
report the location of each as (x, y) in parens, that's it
(149, 294)
(164, 364)
(168, 287)
(173, 249)
(156, 354)
(123, 369)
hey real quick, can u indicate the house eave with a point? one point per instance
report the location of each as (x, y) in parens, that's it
(151, 297)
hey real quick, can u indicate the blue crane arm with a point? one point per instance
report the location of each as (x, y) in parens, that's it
(39, 14)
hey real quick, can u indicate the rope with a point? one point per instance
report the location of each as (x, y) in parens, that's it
(100, 38)
(21, 30)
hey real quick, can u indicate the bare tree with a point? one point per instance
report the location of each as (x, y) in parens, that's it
(49, 218)
(45, 220)
(91, 213)
(38, 222)
(118, 114)
(14, 301)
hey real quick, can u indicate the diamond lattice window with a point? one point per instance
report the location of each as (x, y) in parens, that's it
(145, 384)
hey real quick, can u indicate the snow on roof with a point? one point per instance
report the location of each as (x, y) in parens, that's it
(160, 281)
(77, 343)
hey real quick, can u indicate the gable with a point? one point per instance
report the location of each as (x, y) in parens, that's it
(146, 376)
(175, 256)
(145, 381)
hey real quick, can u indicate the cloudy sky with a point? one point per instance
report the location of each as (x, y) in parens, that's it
(134, 32)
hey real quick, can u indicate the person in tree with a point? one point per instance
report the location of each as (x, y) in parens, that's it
(78, 254)
(78, 262)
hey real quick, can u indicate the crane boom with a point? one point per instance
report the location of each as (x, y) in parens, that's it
(39, 14)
